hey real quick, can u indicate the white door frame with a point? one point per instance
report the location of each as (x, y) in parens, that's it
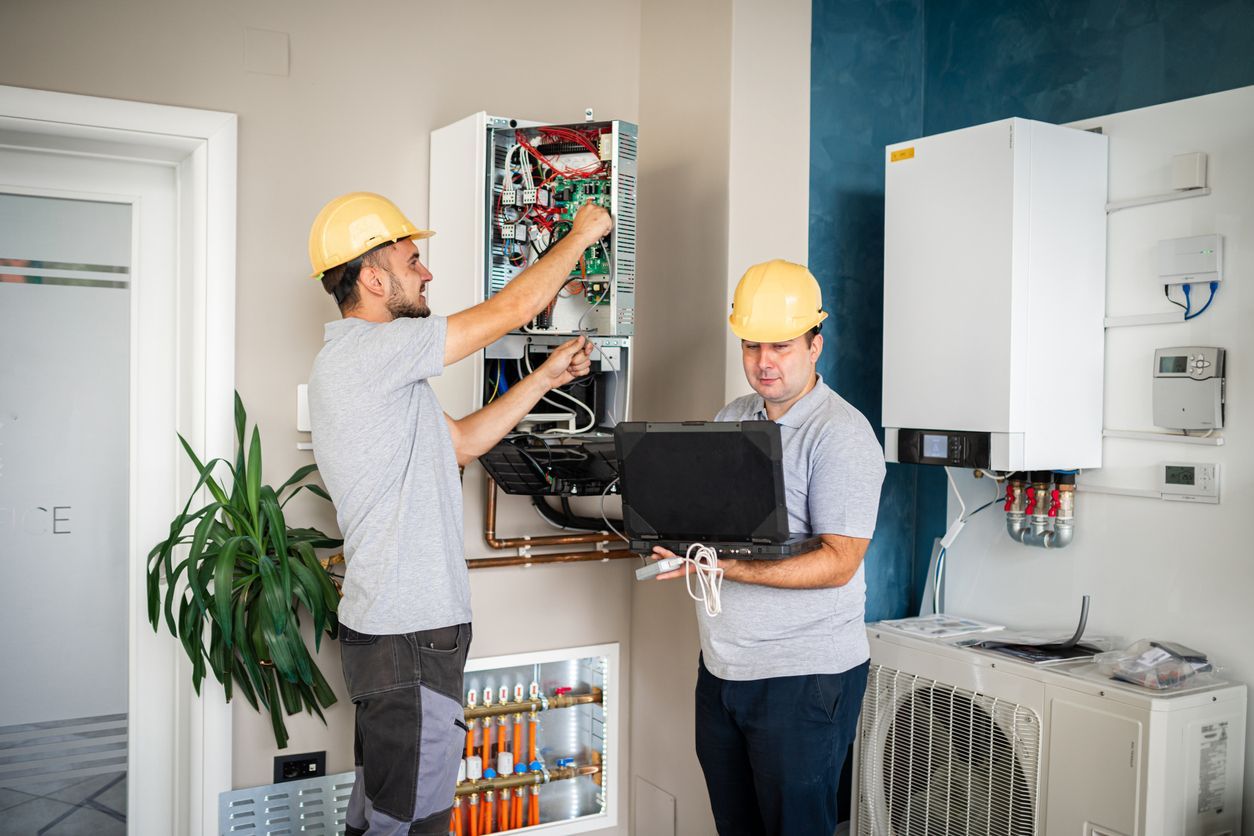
(202, 146)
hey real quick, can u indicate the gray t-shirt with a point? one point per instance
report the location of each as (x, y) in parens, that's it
(833, 470)
(385, 453)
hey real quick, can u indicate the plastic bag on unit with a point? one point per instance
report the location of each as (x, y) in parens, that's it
(1158, 665)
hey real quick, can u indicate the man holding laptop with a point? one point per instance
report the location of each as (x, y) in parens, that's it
(783, 668)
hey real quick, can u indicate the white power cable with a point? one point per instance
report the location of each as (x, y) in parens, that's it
(592, 418)
(605, 517)
(709, 577)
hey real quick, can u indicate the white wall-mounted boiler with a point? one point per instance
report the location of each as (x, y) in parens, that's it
(994, 297)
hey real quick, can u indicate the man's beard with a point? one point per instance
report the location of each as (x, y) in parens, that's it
(402, 308)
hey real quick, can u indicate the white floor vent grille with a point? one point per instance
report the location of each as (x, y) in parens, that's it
(938, 760)
(314, 805)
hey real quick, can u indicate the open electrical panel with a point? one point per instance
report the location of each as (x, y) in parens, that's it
(538, 177)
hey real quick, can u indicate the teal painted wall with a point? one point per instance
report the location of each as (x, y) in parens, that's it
(884, 71)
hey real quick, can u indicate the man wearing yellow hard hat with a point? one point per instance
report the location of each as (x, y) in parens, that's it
(389, 456)
(784, 666)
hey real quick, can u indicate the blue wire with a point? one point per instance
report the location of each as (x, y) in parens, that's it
(1188, 301)
(1214, 287)
(1067, 472)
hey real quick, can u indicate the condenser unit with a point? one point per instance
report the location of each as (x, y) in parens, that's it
(961, 742)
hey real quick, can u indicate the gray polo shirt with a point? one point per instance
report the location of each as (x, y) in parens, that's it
(383, 448)
(833, 470)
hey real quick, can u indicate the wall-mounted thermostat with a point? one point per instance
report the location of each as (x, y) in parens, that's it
(1190, 482)
(1189, 387)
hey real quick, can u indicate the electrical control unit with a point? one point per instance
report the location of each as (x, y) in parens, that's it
(1189, 388)
(994, 297)
(503, 193)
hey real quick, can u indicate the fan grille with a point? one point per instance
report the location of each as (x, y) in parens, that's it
(938, 760)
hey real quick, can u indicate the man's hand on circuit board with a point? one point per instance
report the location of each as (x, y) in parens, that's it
(592, 223)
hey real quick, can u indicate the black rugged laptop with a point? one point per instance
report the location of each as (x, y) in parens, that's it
(718, 483)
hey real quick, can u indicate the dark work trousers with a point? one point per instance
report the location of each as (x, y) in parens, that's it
(772, 749)
(409, 729)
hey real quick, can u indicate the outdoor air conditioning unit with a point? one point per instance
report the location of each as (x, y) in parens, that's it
(961, 742)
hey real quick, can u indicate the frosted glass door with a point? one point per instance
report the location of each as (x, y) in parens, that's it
(64, 513)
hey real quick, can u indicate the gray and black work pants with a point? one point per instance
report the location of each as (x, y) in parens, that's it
(410, 729)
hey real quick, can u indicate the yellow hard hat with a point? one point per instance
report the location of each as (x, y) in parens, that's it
(353, 224)
(775, 302)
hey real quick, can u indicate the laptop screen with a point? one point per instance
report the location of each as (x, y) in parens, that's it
(707, 481)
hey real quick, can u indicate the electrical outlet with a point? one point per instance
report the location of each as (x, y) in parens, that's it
(297, 767)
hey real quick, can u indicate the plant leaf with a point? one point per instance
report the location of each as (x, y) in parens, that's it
(252, 476)
(278, 536)
(223, 577)
(300, 474)
(272, 592)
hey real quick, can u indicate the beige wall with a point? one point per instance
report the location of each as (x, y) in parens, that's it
(354, 112)
(713, 74)
(363, 92)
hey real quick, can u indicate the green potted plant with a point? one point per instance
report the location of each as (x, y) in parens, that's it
(247, 577)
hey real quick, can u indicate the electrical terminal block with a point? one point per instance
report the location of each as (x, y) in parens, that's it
(514, 232)
(529, 196)
(543, 198)
(606, 147)
(507, 232)
(509, 197)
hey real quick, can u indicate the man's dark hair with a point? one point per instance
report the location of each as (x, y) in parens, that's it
(341, 280)
(812, 333)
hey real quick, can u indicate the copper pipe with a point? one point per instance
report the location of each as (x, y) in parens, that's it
(489, 530)
(525, 779)
(562, 557)
(528, 706)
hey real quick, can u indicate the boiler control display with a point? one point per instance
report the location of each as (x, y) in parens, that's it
(935, 446)
(1178, 475)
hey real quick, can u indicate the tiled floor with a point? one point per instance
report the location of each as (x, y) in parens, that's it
(94, 806)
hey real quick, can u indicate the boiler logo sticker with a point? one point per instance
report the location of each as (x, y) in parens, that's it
(901, 154)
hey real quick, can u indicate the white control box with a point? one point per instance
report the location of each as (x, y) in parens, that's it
(1190, 482)
(1197, 259)
(1189, 387)
(995, 295)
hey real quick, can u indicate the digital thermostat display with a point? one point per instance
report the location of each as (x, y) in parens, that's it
(935, 446)
(1172, 365)
(1174, 475)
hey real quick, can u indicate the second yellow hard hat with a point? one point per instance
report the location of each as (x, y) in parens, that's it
(776, 301)
(353, 224)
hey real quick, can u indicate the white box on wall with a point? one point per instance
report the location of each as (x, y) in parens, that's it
(994, 293)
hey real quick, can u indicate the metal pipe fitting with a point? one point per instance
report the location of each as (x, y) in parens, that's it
(524, 779)
(541, 703)
(1051, 521)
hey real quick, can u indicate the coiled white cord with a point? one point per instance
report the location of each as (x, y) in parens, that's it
(709, 578)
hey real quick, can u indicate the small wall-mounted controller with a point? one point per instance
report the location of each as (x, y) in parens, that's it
(1190, 482)
(1189, 387)
(1194, 260)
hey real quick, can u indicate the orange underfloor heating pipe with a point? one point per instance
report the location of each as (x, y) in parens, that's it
(518, 805)
(533, 808)
(472, 813)
(457, 817)
(488, 813)
(503, 824)
(518, 738)
(487, 742)
(501, 745)
(531, 739)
